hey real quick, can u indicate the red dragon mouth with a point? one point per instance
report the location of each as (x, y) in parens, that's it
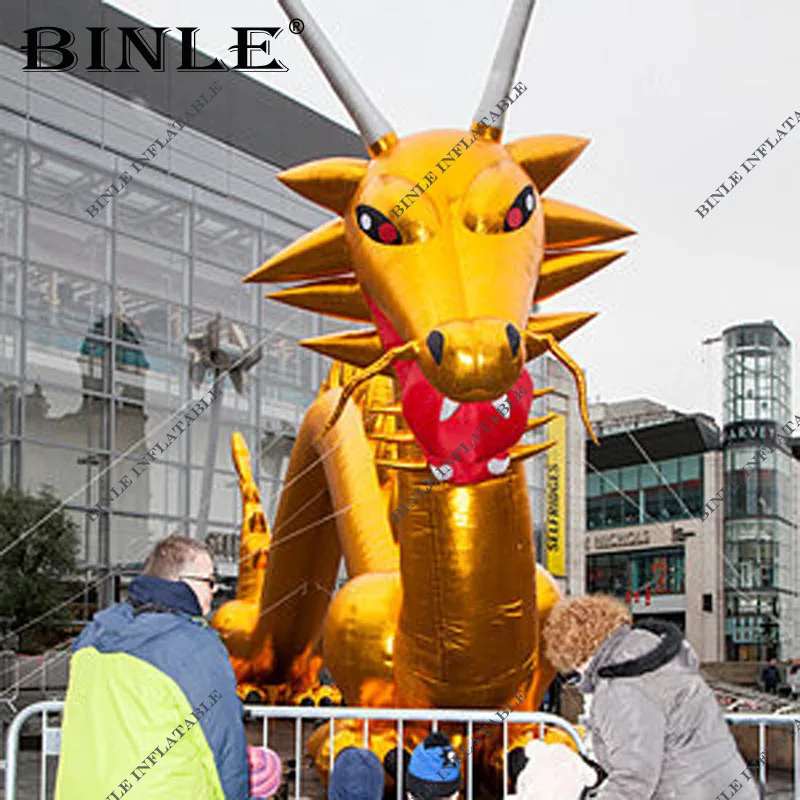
(463, 443)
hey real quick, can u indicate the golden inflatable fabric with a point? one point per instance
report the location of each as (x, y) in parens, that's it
(444, 603)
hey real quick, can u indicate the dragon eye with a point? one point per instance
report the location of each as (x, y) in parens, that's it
(521, 210)
(377, 226)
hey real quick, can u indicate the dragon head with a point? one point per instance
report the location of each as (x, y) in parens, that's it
(444, 244)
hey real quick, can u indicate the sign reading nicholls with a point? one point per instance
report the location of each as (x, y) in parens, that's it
(606, 541)
(59, 40)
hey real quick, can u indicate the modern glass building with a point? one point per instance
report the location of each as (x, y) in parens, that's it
(94, 311)
(760, 507)
(646, 485)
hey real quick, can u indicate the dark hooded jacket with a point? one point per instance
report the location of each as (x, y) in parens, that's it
(152, 700)
(655, 725)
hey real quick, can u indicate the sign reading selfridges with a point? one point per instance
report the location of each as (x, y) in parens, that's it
(58, 41)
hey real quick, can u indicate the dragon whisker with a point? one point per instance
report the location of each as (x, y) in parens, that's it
(405, 352)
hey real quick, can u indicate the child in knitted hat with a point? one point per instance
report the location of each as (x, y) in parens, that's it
(433, 771)
(265, 771)
(357, 775)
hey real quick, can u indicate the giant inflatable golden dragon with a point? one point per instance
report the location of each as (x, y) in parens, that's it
(444, 601)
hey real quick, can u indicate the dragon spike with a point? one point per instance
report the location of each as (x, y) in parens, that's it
(559, 325)
(318, 254)
(542, 392)
(561, 271)
(358, 348)
(537, 422)
(396, 437)
(403, 466)
(567, 226)
(501, 76)
(551, 343)
(329, 182)
(337, 298)
(393, 409)
(544, 158)
(375, 130)
(524, 451)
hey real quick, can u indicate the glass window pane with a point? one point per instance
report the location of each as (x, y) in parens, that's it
(59, 356)
(648, 476)
(10, 226)
(225, 241)
(60, 241)
(62, 300)
(226, 502)
(669, 470)
(594, 513)
(10, 353)
(11, 155)
(57, 468)
(66, 417)
(153, 487)
(10, 284)
(593, 485)
(151, 270)
(216, 289)
(153, 216)
(629, 478)
(63, 184)
(162, 323)
(690, 467)
(132, 538)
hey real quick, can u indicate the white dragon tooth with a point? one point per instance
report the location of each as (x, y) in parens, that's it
(449, 407)
(502, 401)
(497, 466)
(443, 473)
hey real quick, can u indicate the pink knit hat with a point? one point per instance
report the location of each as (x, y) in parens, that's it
(265, 771)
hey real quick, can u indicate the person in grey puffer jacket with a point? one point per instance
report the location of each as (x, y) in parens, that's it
(655, 724)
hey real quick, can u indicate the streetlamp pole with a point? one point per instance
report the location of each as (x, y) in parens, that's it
(211, 458)
(227, 360)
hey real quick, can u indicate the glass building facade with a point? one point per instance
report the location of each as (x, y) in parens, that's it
(638, 494)
(662, 570)
(759, 508)
(94, 312)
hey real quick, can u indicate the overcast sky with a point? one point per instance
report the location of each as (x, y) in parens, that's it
(674, 97)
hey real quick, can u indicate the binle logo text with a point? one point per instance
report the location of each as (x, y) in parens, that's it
(150, 48)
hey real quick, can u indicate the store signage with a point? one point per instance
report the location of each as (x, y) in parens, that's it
(608, 541)
(556, 498)
(224, 545)
(744, 431)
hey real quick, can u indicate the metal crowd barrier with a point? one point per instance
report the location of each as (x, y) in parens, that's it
(51, 736)
(9, 679)
(762, 721)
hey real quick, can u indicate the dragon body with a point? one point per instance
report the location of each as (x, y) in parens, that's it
(422, 411)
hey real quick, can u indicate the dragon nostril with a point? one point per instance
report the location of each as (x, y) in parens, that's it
(513, 338)
(435, 342)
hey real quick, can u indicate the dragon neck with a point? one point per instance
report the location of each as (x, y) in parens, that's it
(468, 572)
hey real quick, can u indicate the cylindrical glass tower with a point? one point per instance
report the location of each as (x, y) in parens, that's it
(759, 546)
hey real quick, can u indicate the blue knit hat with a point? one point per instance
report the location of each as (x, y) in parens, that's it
(357, 775)
(434, 768)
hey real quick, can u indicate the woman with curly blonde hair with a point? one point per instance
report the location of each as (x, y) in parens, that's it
(656, 727)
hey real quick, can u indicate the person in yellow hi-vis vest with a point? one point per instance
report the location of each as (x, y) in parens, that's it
(151, 702)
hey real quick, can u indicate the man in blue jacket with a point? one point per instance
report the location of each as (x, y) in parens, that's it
(152, 694)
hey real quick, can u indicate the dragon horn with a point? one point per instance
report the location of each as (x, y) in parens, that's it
(505, 64)
(375, 129)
